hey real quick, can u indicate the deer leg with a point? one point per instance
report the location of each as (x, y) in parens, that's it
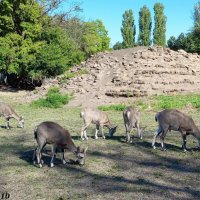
(53, 150)
(41, 144)
(83, 131)
(128, 130)
(96, 133)
(103, 136)
(138, 130)
(63, 157)
(157, 132)
(162, 137)
(34, 156)
(184, 135)
(7, 123)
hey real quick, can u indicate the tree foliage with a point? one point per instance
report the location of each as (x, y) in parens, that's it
(35, 44)
(128, 29)
(145, 24)
(117, 46)
(95, 37)
(189, 42)
(160, 19)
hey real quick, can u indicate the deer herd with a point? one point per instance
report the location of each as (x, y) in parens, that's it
(49, 132)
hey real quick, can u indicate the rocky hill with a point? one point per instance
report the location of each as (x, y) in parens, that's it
(123, 75)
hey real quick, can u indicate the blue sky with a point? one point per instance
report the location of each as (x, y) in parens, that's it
(178, 12)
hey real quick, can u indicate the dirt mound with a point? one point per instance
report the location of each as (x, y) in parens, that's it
(122, 75)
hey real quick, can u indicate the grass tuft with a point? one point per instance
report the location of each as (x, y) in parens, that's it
(54, 99)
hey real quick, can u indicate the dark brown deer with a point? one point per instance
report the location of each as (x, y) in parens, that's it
(8, 113)
(99, 118)
(132, 120)
(171, 119)
(52, 133)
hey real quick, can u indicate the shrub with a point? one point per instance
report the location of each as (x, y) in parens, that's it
(54, 99)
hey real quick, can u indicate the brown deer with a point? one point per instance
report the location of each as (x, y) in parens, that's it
(8, 113)
(171, 119)
(97, 117)
(52, 133)
(131, 120)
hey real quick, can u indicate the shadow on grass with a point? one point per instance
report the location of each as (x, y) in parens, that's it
(109, 184)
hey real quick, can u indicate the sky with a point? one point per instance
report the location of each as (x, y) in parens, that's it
(179, 14)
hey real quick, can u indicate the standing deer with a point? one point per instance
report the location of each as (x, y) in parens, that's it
(8, 113)
(97, 117)
(52, 133)
(171, 119)
(131, 120)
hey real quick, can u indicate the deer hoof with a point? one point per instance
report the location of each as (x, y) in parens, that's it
(154, 147)
(51, 165)
(40, 165)
(64, 162)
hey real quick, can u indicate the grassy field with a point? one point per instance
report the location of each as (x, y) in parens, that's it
(113, 169)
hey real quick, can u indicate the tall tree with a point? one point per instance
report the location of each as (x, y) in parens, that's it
(159, 37)
(128, 29)
(196, 29)
(145, 24)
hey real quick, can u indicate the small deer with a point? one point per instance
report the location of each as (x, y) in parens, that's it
(171, 119)
(8, 113)
(131, 120)
(52, 133)
(97, 117)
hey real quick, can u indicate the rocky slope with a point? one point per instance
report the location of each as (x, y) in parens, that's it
(123, 75)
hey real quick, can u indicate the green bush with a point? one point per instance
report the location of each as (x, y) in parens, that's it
(54, 99)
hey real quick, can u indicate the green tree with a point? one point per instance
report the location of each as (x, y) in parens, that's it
(117, 46)
(95, 37)
(171, 43)
(128, 30)
(145, 24)
(160, 19)
(196, 29)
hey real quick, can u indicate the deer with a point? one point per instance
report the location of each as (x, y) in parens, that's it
(8, 112)
(49, 132)
(99, 118)
(131, 120)
(172, 119)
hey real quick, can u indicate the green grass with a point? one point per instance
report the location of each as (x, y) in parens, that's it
(176, 101)
(53, 99)
(159, 102)
(113, 168)
(119, 107)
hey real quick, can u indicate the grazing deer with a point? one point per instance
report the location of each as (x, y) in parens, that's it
(52, 133)
(131, 120)
(97, 117)
(171, 119)
(8, 113)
